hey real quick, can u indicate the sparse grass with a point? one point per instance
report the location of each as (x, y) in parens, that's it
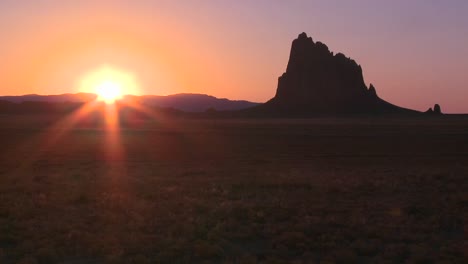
(272, 191)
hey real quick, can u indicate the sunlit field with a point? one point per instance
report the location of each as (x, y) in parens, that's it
(234, 191)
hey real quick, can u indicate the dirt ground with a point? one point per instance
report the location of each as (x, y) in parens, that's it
(361, 190)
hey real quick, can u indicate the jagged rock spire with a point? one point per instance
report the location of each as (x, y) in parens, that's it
(317, 81)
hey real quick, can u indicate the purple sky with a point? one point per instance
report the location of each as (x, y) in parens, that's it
(414, 52)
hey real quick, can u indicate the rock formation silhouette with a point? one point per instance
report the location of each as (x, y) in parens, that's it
(317, 81)
(435, 111)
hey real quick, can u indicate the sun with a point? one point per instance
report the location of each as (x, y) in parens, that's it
(109, 83)
(109, 91)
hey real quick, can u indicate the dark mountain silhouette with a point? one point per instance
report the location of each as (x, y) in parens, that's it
(184, 102)
(318, 82)
(36, 107)
(193, 102)
(68, 97)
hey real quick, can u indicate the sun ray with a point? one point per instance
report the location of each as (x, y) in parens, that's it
(113, 146)
(53, 134)
(143, 109)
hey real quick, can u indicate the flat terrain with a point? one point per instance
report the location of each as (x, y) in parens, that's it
(234, 191)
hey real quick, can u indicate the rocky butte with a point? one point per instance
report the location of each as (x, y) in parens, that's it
(319, 82)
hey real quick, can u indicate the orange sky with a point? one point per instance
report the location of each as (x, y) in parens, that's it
(415, 54)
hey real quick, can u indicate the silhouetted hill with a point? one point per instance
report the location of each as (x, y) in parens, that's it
(317, 82)
(37, 107)
(68, 97)
(193, 102)
(184, 102)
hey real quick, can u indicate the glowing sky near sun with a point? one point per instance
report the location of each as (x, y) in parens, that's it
(414, 52)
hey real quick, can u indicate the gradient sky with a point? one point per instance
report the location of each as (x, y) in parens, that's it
(415, 52)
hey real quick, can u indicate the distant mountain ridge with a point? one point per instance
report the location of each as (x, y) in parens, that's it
(67, 97)
(193, 102)
(185, 102)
